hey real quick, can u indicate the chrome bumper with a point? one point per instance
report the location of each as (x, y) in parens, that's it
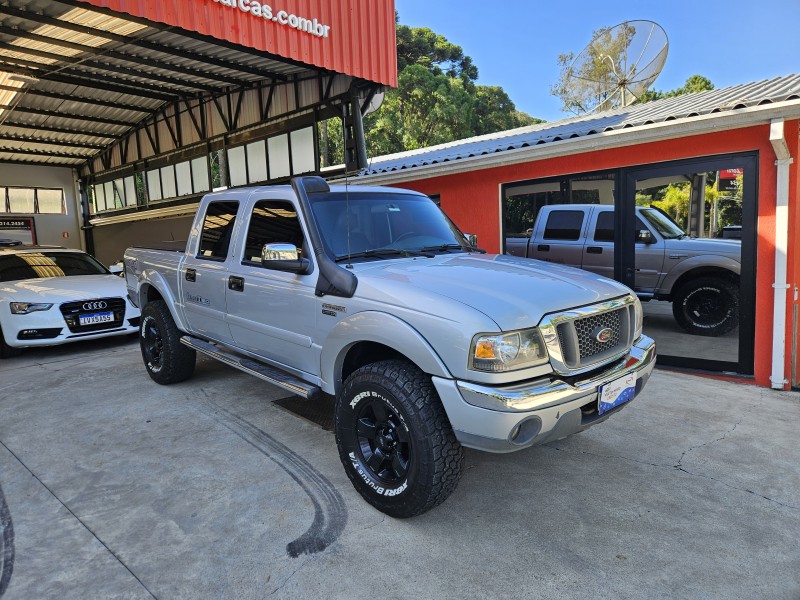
(508, 418)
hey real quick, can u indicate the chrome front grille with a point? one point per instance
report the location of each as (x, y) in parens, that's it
(581, 339)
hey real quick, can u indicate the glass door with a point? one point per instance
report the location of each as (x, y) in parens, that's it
(684, 240)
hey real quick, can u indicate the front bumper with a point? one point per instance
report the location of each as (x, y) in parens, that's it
(512, 417)
(49, 328)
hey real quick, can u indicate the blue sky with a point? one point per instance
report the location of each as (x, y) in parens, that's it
(515, 43)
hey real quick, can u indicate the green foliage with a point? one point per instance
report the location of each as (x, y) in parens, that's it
(437, 100)
(695, 83)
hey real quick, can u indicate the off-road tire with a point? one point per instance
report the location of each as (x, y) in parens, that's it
(707, 306)
(394, 439)
(165, 358)
(7, 351)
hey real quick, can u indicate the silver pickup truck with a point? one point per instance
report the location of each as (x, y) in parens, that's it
(700, 276)
(374, 296)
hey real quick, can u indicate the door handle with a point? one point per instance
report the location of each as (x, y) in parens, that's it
(191, 275)
(543, 247)
(594, 250)
(236, 283)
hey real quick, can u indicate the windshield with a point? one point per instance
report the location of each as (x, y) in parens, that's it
(665, 226)
(403, 224)
(37, 265)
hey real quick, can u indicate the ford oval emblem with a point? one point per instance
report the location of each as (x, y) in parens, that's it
(603, 334)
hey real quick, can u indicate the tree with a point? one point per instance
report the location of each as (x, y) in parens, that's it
(437, 99)
(695, 83)
(592, 81)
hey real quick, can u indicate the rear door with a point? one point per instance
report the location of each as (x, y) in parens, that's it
(203, 275)
(559, 235)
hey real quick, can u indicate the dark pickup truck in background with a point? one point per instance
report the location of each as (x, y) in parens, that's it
(699, 276)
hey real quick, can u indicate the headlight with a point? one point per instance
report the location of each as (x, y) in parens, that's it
(500, 352)
(639, 312)
(23, 308)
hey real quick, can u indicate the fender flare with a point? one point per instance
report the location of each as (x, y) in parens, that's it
(154, 279)
(381, 328)
(704, 262)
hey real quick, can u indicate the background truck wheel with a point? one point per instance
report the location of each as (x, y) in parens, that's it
(166, 359)
(707, 306)
(7, 351)
(395, 440)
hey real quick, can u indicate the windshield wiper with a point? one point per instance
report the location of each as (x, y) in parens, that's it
(445, 247)
(382, 253)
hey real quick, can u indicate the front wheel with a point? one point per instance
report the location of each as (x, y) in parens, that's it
(707, 306)
(394, 439)
(166, 359)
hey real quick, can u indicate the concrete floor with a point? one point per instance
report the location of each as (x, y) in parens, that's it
(115, 487)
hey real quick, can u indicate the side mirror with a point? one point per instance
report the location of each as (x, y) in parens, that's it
(472, 239)
(284, 257)
(117, 269)
(643, 236)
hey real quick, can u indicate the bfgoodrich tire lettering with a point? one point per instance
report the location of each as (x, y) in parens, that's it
(395, 440)
(707, 306)
(166, 359)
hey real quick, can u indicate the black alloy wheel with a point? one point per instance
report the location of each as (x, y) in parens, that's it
(384, 444)
(166, 359)
(707, 306)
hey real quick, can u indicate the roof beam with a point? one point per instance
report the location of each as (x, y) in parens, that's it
(53, 129)
(65, 115)
(41, 163)
(63, 143)
(53, 154)
(132, 58)
(81, 99)
(93, 83)
(45, 20)
(79, 64)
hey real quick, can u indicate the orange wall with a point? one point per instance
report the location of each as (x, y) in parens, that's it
(472, 200)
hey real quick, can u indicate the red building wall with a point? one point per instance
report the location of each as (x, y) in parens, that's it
(472, 200)
(360, 40)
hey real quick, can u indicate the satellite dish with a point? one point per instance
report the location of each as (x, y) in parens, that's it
(616, 67)
(375, 103)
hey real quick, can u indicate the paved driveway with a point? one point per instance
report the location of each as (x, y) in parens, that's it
(115, 487)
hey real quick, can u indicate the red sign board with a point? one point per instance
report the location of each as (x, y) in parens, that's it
(354, 37)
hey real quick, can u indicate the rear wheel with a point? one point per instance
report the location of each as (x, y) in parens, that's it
(394, 439)
(166, 359)
(707, 306)
(7, 351)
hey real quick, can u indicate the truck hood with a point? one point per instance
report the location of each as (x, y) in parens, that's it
(514, 292)
(698, 246)
(63, 289)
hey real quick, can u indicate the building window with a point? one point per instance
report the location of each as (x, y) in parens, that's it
(32, 201)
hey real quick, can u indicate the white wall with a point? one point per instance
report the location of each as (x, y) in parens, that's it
(50, 229)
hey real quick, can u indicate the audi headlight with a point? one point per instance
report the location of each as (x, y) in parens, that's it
(23, 308)
(500, 352)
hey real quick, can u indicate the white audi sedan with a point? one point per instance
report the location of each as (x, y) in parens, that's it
(51, 295)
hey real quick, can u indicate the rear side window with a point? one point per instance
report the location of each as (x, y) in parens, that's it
(217, 230)
(564, 225)
(604, 230)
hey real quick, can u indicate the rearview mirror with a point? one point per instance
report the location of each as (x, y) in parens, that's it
(643, 236)
(284, 257)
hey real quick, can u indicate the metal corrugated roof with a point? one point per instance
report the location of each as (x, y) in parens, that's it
(659, 111)
(75, 78)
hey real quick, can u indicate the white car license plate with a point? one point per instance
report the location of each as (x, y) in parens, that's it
(93, 319)
(616, 392)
